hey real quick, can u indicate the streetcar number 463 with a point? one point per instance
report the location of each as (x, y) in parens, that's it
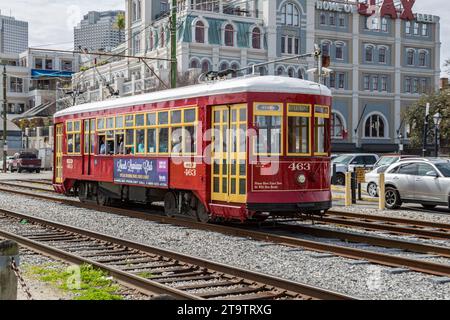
(300, 166)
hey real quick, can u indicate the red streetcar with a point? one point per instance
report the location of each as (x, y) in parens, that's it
(239, 149)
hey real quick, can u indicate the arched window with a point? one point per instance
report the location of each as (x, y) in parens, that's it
(323, 19)
(291, 72)
(369, 54)
(205, 66)
(280, 71)
(223, 66)
(375, 127)
(290, 14)
(339, 51)
(200, 32)
(422, 59)
(410, 57)
(337, 126)
(151, 41)
(326, 48)
(235, 66)
(256, 38)
(229, 35)
(382, 55)
(194, 64)
(300, 74)
(163, 38)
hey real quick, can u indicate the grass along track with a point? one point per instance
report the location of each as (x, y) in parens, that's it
(343, 251)
(153, 270)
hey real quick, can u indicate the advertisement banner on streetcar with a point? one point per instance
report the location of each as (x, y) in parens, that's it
(148, 172)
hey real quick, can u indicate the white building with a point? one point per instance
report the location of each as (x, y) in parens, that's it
(98, 31)
(381, 65)
(13, 35)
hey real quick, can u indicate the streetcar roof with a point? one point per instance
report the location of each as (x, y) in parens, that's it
(266, 84)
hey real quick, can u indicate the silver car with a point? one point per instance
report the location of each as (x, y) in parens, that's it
(423, 181)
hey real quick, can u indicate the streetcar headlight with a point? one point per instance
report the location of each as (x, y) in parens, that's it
(301, 179)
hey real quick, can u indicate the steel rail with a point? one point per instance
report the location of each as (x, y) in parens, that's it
(351, 253)
(8, 184)
(277, 284)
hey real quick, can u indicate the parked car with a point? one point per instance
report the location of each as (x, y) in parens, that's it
(423, 181)
(348, 162)
(388, 159)
(25, 161)
(8, 161)
(372, 179)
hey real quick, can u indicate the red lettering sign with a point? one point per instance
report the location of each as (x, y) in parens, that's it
(388, 9)
(407, 13)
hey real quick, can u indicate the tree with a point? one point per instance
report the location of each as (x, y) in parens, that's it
(447, 65)
(415, 117)
(120, 22)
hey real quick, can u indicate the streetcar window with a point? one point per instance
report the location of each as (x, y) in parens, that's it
(129, 121)
(69, 126)
(177, 140)
(101, 124)
(87, 137)
(268, 122)
(151, 140)
(151, 119)
(101, 144)
(163, 117)
(189, 115)
(176, 116)
(110, 123)
(129, 141)
(73, 130)
(299, 123)
(190, 140)
(163, 139)
(119, 122)
(321, 127)
(140, 141)
(140, 120)
(120, 143)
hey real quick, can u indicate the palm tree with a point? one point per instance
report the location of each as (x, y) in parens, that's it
(120, 21)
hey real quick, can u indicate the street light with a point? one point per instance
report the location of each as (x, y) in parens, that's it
(437, 118)
(400, 143)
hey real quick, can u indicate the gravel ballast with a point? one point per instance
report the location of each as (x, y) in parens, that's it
(339, 274)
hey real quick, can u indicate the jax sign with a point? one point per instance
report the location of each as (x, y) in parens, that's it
(148, 172)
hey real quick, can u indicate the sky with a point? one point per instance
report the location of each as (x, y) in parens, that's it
(51, 22)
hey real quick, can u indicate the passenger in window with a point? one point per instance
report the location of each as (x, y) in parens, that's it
(102, 145)
(121, 146)
(141, 147)
(70, 144)
(129, 150)
(110, 147)
(176, 143)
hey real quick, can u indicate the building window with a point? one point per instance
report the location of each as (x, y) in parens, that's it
(283, 44)
(289, 45)
(163, 37)
(229, 35)
(410, 57)
(341, 21)
(337, 126)
(206, 66)
(416, 86)
(291, 72)
(416, 28)
(375, 83)
(194, 64)
(384, 83)
(408, 27)
(423, 85)
(332, 80)
(280, 71)
(339, 52)
(384, 25)
(296, 46)
(290, 15)
(375, 127)
(424, 29)
(151, 41)
(369, 54)
(300, 74)
(367, 83)
(256, 38)
(200, 32)
(326, 48)
(223, 66)
(49, 64)
(422, 58)
(323, 19)
(341, 80)
(332, 21)
(15, 84)
(382, 55)
(408, 85)
(66, 65)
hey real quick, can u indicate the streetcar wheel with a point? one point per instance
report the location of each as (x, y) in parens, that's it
(202, 214)
(170, 205)
(392, 199)
(372, 190)
(102, 199)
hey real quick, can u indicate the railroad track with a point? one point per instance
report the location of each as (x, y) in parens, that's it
(26, 186)
(418, 228)
(151, 270)
(342, 251)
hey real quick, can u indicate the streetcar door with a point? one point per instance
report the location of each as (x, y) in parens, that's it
(58, 167)
(88, 149)
(229, 153)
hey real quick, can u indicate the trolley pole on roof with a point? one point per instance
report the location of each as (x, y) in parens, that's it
(5, 125)
(173, 45)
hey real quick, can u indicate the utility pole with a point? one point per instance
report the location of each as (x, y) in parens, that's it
(173, 46)
(5, 142)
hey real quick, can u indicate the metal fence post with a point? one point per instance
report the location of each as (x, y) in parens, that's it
(8, 280)
(382, 197)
